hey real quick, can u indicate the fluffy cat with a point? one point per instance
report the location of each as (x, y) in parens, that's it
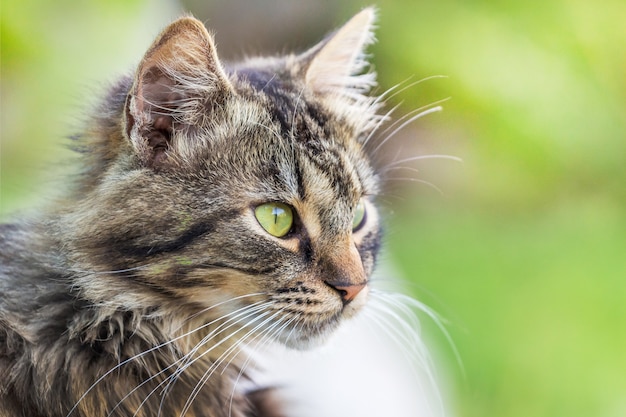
(220, 208)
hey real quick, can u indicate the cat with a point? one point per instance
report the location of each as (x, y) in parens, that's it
(220, 207)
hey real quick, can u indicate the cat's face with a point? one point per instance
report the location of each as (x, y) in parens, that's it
(246, 187)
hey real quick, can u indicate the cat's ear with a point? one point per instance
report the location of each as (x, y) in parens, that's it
(337, 63)
(178, 80)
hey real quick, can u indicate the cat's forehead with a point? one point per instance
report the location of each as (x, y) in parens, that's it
(286, 99)
(312, 143)
(296, 115)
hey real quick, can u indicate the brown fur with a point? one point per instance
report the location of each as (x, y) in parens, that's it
(137, 295)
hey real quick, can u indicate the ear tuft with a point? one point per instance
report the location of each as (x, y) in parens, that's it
(177, 78)
(336, 70)
(339, 60)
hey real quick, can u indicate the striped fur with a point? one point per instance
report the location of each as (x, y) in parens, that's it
(136, 296)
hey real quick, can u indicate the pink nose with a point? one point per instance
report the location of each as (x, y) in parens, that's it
(347, 291)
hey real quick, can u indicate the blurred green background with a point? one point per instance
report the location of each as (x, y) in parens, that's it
(524, 252)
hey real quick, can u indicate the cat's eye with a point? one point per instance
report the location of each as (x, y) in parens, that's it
(275, 218)
(359, 215)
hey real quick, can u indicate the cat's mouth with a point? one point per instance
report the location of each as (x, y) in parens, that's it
(310, 323)
(300, 314)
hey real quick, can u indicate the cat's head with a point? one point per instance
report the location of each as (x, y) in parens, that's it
(243, 186)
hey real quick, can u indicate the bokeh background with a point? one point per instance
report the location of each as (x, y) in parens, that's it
(523, 251)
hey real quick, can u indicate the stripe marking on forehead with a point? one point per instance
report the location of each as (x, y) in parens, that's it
(329, 194)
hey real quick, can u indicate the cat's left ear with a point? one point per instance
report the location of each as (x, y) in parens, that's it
(178, 81)
(336, 64)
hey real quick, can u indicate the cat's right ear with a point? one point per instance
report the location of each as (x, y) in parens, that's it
(178, 80)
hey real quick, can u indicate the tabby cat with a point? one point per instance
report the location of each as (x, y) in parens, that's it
(220, 207)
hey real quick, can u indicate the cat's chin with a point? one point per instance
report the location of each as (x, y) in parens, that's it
(304, 342)
(317, 334)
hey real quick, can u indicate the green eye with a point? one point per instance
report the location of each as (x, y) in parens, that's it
(275, 218)
(359, 215)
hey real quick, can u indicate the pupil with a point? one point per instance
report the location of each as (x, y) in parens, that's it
(276, 211)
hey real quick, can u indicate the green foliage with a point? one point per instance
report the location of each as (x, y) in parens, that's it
(534, 301)
(56, 58)
(525, 253)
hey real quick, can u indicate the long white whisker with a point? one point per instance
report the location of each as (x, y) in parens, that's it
(269, 129)
(413, 84)
(428, 183)
(412, 348)
(266, 335)
(115, 271)
(381, 120)
(386, 96)
(294, 328)
(207, 374)
(400, 323)
(414, 115)
(222, 357)
(404, 168)
(261, 335)
(188, 360)
(162, 371)
(228, 324)
(205, 310)
(407, 338)
(384, 118)
(253, 334)
(295, 111)
(394, 89)
(235, 319)
(404, 301)
(422, 157)
(270, 334)
(135, 357)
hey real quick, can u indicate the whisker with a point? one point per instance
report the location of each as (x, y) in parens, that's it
(428, 183)
(184, 362)
(254, 334)
(188, 360)
(240, 318)
(262, 335)
(219, 361)
(422, 157)
(139, 355)
(162, 371)
(401, 325)
(408, 119)
(295, 111)
(416, 354)
(214, 365)
(386, 95)
(405, 302)
(115, 271)
(413, 113)
(403, 168)
(413, 84)
(268, 82)
(378, 102)
(294, 328)
(205, 310)
(269, 129)
(271, 332)
(384, 118)
(269, 335)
